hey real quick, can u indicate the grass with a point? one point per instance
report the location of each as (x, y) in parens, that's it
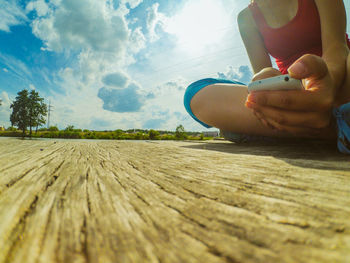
(107, 135)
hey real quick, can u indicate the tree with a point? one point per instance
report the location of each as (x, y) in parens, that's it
(11, 128)
(139, 136)
(0, 102)
(28, 110)
(153, 135)
(53, 128)
(180, 133)
(37, 111)
(20, 111)
(69, 128)
(118, 134)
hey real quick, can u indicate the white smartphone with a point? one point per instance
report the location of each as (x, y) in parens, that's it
(281, 82)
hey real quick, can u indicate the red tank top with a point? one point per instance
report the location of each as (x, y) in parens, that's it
(300, 36)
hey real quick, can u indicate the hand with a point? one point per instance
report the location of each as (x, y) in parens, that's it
(302, 113)
(266, 73)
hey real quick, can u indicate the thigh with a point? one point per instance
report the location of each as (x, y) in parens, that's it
(223, 106)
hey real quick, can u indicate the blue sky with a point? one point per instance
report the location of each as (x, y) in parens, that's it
(108, 64)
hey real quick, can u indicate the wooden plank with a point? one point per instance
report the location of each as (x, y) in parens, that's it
(119, 201)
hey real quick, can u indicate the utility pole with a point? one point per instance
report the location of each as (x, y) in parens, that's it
(48, 114)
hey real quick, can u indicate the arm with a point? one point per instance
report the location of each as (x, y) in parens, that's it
(253, 41)
(334, 46)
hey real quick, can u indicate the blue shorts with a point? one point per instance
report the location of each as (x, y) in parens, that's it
(197, 86)
(342, 116)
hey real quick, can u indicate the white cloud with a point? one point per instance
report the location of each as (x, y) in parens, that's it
(132, 3)
(11, 14)
(166, 109)
(116, 79)
(31, 87)
(137, 41)
(5, 69)
(5, 110)
(78, 103)
(154, 18)
(122, 100)
(83, 24)
(242, 74)
(40, 6)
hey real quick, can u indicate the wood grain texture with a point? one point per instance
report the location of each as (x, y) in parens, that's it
(119, 201)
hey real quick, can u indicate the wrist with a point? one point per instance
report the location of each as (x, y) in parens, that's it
(336, 59)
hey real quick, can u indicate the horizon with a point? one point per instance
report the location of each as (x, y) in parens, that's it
(107, 65)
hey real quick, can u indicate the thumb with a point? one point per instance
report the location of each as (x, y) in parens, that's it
(310, 67)
(266, 73)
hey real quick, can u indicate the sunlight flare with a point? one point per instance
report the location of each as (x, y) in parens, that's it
(199, 25)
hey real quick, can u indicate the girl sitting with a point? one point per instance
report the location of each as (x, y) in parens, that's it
(307, 39)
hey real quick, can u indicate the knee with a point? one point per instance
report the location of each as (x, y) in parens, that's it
(195, 105)
(193, 99)
(198, 103)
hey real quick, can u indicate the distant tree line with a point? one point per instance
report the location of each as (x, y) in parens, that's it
(72, 133)
(29, 110)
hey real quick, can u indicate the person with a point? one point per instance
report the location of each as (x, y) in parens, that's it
(308, 40)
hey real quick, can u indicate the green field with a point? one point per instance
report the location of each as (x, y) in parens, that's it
(111, 135)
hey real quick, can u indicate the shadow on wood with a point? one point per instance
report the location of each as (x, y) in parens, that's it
(303, 153)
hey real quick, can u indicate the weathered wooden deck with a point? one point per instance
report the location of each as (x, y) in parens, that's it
(116, 201)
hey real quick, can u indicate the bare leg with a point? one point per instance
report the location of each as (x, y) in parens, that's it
(222, 106)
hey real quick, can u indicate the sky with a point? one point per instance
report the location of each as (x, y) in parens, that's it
(117, 64)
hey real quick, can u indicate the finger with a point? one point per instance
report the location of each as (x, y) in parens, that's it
(261, 118)
(266, 73)
(277, 117)
(297, 131)
(297, 100)
(316, 77)
(309, 66)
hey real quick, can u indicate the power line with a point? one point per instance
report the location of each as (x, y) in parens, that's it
(196, 64)
(48, 114)
(196, 58)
